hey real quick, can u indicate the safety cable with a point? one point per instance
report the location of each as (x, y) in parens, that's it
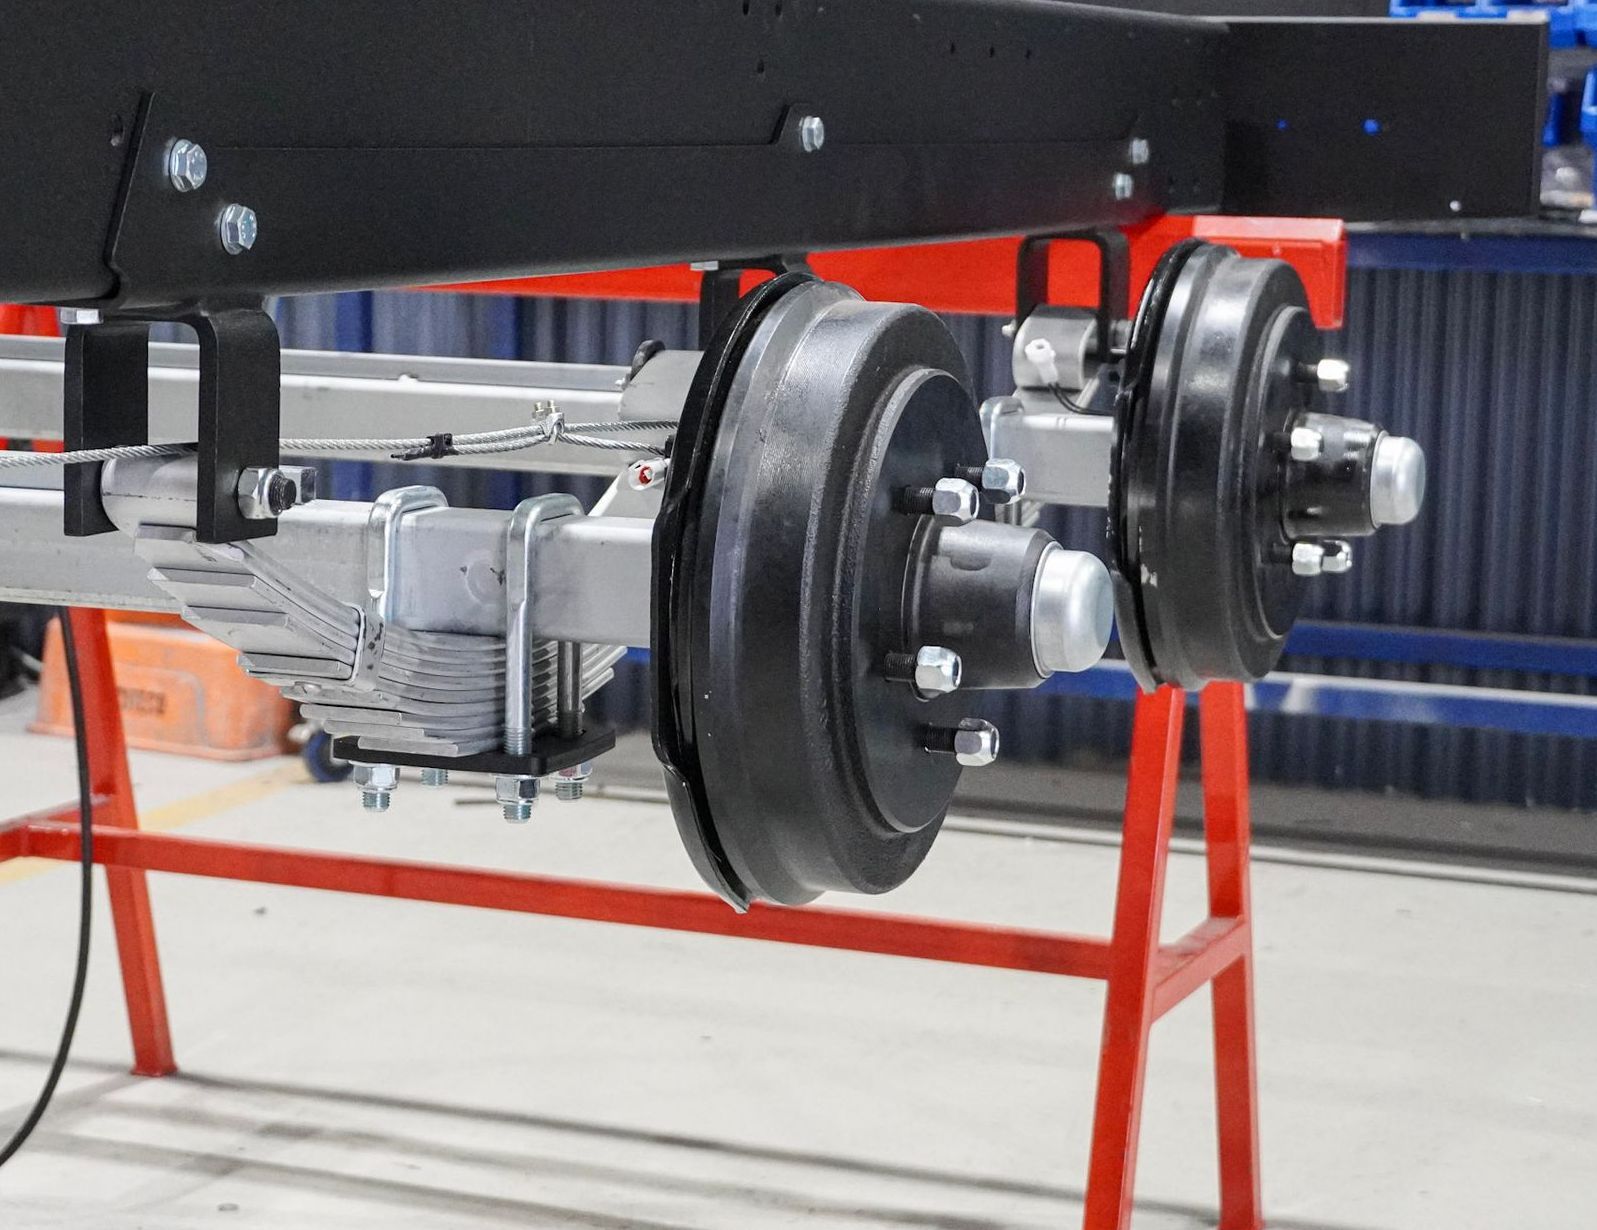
(404, 448)
(85, 900)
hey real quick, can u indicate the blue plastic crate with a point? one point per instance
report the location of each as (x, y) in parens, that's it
(1568, 24)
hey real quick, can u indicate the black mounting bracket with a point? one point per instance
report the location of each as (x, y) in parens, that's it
(549, 754)
(107, 404)
(721, 288)
(1114, 278)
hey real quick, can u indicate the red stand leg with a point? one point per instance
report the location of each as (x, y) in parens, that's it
(1224, 740)
(1138, 964)
(1134, 948)
(128, 889)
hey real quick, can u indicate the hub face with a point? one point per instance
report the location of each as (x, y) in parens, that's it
(1228, 473)
(825, 449)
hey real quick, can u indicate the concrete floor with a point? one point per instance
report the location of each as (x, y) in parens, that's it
(1426, 1044)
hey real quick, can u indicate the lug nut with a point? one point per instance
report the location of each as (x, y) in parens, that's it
(974, 743)
(953, 499)
(238, 228)
(516, 796)
(1338, 556)
(812, 133)
(1001, 481)
(1307, 443)
(1308, 559)
(187, 165)
(937, 671)
(1331, 375)
(377, 783)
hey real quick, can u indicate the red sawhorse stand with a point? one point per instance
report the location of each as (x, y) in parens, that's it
(1145, 978)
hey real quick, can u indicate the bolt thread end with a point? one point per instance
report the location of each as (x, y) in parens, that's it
(518, 813)
(375, 800)
(569, 792)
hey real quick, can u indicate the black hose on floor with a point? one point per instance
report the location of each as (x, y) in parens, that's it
(85, 903)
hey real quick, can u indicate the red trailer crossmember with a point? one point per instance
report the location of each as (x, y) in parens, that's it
(1145, 978)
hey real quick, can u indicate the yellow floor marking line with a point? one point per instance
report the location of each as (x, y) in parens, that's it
(182, 812)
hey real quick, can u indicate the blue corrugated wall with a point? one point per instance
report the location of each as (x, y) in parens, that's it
(1493, 370)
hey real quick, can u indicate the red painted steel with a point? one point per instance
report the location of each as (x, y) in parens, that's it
(128, 889)
(978, 276)
(1144, 977)
(1223, 742)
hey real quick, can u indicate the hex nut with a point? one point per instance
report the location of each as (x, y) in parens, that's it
(937, 670)
(812, 133)
(1123, 186)
(187, 165)
(1338, 556)
(1003, 481)
(238, 228)
(976, 743)
(267, 492)
(956, 500)
(376, 776)
(1307, 443)
(1333, 375)
(1140, 151)
(1308, 559)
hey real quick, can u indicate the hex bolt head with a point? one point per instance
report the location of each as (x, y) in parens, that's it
(1332, 375)
(1308, 559)
(1306, 443)
(80, 316)
(937, 671)
(1139, 151)
(1338, 556)
(434, 778)
(955, 499)
(974, 743)
(812, 133)
(377, 783)
(516, 796)
(187, 165)
(1123, 186)
(238, 228)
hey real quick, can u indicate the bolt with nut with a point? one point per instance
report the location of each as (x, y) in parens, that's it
(1001, 480)
(267, 492)
(812, 133)
(238, 228)
(516, 796)
(973, 743)
(932, 669)
(377, 783)
(187, 165)
(953, 499)
(1306, 443)
(572, 781)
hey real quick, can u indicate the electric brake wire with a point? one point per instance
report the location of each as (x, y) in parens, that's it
(85, 901)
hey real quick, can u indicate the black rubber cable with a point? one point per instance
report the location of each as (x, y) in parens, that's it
(85, 903)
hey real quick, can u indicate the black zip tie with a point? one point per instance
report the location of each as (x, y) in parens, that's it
(436, 449)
